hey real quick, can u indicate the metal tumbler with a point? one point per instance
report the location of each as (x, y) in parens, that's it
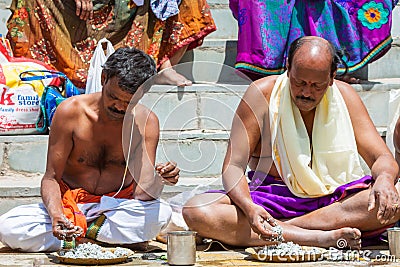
(181, 248)
(394, 241)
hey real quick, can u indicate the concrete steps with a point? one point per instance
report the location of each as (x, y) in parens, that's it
(195, 121)
(195, 124)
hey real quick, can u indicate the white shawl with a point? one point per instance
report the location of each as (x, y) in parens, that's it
(334, 155)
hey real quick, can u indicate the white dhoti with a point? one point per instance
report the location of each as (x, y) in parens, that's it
(126, 221)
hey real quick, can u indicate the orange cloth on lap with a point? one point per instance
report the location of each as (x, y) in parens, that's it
(72, 197)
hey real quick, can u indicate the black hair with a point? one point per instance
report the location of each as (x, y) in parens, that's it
(131, 66)
(336, 54)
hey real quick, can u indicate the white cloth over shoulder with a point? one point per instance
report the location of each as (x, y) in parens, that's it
(28, 227)
(333, 157)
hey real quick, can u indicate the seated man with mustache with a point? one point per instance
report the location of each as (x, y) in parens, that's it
(301, 134)
(98, 186)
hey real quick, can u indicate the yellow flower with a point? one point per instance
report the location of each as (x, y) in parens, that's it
(372, 15)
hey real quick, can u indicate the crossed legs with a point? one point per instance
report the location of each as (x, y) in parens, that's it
(213, 215)
(349, 212)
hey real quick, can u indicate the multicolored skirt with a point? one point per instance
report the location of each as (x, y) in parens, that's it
(268, 27)
(51, 32)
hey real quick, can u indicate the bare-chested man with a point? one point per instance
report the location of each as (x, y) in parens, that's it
(301, 133)
(88, 191)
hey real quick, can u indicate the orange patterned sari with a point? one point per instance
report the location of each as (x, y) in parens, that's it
(50, 31)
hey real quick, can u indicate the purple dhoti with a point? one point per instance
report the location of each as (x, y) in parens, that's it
(275, 197)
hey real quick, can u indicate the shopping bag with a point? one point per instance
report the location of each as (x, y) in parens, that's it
(19, 100)
(93, 83)
(52, 95)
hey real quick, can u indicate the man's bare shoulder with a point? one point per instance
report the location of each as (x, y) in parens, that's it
(347, 91)
(144, 116)
(78, 105)
(264, 85)
(75, 112)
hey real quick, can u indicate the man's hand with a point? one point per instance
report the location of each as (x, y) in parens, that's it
(169, 172)
(84, 9)
(64, 229)
(261, 222)
(384, 195)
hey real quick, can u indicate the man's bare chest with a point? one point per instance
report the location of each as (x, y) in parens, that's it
(98, 154)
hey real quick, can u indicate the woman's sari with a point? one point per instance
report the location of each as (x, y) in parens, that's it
(267, 28)
(51, 32)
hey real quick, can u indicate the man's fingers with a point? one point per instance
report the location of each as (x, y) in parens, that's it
(391, 209)
(268, 236)
(159, 166)
(171, 181)
(384, 210)
(167, 167)
(371, 201)
(172, 173)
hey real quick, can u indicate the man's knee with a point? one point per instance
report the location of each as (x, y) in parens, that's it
(11, 236)
(196, 211)
(23, 228)
(165, 215)
(6, 227)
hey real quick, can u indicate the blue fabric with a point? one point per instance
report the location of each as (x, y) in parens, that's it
(51, 96)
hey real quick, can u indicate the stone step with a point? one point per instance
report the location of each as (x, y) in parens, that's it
(195, 122)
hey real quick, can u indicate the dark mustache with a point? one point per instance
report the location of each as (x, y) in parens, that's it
(116, 111)
(304, 98)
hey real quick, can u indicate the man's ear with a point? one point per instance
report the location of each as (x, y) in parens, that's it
(287, 67)
(103, 78)
(332, 78)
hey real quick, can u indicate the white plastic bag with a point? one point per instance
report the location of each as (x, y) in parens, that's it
(93, 83)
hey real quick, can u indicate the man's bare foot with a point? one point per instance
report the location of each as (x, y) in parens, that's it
(341, 238)
(348, 79)
(142, 246)
(171, 77)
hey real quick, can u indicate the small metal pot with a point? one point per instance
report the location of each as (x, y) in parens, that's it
(394, 241)
(181, 248)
